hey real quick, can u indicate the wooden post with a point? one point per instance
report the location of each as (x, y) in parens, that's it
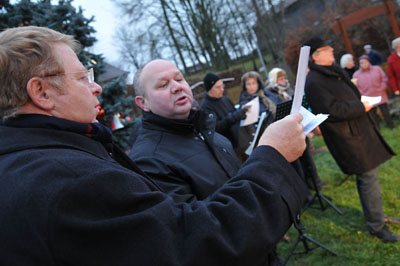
(392, 19)
(346, 39)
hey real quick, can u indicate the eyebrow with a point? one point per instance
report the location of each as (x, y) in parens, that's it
(175, 73)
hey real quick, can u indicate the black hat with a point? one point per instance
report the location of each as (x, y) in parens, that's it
(209, 80)
(316, 42)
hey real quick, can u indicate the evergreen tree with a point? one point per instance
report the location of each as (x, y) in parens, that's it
(114, 101)
(65, 18)
(62, 17)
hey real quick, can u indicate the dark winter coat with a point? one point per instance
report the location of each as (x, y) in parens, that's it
(350, 134)
(68, 199)
(228, 117)
(135, 131)
(375, 58)
(273, 94)
(186, 158)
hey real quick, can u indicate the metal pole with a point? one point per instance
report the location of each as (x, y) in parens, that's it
(259, 53)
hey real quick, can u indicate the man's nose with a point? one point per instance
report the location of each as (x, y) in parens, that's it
(96, 89)
(175, 86)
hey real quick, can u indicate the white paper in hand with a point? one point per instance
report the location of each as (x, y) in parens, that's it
(374, 100)
(311, 121)
(252, 113)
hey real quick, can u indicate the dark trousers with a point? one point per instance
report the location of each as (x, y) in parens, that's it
(370, 195)
(386, 115)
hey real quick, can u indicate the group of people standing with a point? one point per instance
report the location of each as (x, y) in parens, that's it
(371, 80)
(350, 132)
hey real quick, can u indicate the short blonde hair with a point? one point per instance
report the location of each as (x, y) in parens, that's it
(27, 52)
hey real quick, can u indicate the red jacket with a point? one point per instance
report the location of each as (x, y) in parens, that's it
(393, 71)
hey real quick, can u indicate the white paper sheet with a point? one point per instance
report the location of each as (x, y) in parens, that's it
(252, 113)
(300, 79)
(311, 121)
(374, 100)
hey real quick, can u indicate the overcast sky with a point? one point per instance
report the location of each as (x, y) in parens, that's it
(106, 22)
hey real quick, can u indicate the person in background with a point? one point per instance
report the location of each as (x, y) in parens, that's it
(279, 86)
(347, 63)
(375, 58)
(393, 67)
(252, 86)
(371, 81)
(349, 132)
(228, 117)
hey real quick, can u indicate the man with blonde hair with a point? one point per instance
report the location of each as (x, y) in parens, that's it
(69, 196)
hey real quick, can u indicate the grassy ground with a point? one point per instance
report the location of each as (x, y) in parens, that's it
(347, 234)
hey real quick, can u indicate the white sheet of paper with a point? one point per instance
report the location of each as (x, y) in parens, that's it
(300, 79)
(252, 113)
(372, 100)
(249, 149)
(311, 121)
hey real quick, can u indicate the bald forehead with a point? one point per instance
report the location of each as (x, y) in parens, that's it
(156, 69)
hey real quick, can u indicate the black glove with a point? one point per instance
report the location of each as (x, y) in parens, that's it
(239, 114)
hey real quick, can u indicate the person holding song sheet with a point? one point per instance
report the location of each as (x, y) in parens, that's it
(252, 87)
(371, 81)
(349, 132)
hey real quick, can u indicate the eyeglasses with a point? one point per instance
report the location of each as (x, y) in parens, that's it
(220, 86)
(89, 72)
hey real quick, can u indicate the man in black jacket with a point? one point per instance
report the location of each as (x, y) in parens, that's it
(228, 117)
(350, 134)
(184, 156)
(69, 196)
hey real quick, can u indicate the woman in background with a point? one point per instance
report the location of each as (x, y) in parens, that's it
(347, 63)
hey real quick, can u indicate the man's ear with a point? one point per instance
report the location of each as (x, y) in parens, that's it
(314, 56)
(39, 93)
(142, 103)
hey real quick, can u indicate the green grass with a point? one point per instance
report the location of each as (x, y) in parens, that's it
(347, 234)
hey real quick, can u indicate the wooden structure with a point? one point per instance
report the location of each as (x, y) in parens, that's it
(387, 8)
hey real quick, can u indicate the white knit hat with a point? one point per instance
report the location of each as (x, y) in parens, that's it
(273, 74)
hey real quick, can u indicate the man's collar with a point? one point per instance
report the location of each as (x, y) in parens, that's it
(95, 131)
(213, 98)
(195, 122)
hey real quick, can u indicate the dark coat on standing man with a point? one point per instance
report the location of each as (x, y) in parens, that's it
(349, 132)
(70, 197)
(186, 158)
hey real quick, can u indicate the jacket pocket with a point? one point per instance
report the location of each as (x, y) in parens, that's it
(354, 128)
